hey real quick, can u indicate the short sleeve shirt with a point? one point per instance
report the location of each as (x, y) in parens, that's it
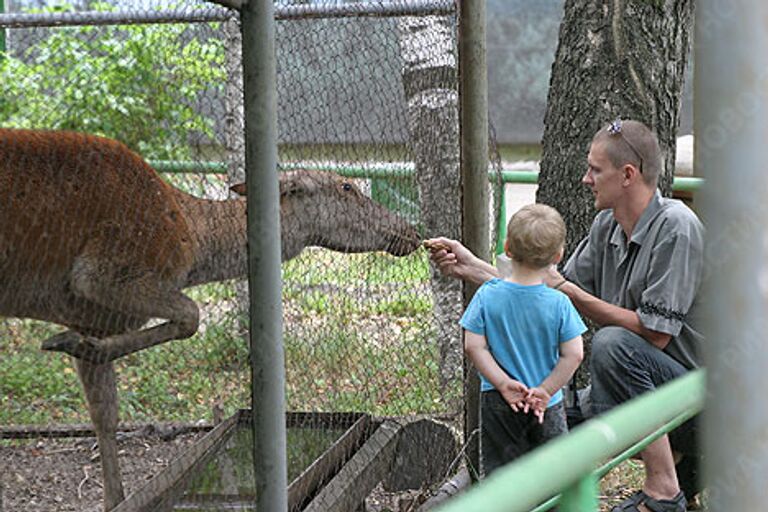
(524, 327)
(656, 273)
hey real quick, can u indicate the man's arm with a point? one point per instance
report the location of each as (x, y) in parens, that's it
(455, 260)
(605, 313)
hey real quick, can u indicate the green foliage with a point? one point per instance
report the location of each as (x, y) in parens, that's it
(140, 84)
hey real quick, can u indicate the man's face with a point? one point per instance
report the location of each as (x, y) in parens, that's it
(603, 178)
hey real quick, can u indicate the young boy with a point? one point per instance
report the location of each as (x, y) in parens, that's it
(525, 340)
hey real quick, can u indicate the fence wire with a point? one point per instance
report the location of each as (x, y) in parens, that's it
(91, 240)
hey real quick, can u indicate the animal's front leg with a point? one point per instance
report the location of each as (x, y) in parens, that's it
(99, 351)
(81, 347)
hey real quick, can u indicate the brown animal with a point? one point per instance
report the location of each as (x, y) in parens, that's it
(92, 239)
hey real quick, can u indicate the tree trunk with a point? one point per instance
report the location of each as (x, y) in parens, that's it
(617, 58)
(429, 81)
(234, 144)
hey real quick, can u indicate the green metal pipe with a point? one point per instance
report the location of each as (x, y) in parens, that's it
(541, 474)
(2, 33)
(187, 166)
(626, 454)
(387, 171)
(580, 497)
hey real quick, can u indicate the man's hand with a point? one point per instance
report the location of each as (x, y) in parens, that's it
(514, 394)
(552, 277)
(450, 256)
(537, 400)
(455, 260)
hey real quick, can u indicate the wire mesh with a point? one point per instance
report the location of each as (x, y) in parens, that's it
(374, 332)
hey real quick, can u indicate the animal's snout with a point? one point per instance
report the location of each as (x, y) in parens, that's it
(404, 242)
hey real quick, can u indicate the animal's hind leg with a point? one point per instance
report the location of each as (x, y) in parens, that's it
(100, 389)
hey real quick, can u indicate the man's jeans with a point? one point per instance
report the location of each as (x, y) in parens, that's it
(625, 365)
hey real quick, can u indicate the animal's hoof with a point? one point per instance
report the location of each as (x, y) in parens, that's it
(81, 347)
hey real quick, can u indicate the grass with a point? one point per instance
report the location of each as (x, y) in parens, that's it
(620, 483)
(358, 337)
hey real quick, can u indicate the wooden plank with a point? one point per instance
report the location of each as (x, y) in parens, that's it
(324, 467)
(158, 494)
(426, 450)
(349, 488)
(86, 430)
(163, 491)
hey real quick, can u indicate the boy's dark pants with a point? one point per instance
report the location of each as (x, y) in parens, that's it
(506, 435)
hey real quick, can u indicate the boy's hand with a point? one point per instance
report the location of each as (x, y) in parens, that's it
(537, 400)
(514, 394)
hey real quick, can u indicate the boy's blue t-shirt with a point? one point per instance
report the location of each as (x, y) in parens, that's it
(524, 327)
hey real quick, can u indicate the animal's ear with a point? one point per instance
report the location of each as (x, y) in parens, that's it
(239, 189)
(296, 182)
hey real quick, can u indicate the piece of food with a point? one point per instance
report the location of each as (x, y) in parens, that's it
(434, 246)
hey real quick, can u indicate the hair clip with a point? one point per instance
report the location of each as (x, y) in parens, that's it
(615, 127)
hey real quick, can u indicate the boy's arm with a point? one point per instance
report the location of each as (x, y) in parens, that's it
(571, 355)
(513, 392)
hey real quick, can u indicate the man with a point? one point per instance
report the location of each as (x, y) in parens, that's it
(637, 275)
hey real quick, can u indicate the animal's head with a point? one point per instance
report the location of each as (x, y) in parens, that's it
(325, 209)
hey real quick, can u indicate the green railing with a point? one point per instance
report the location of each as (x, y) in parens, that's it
(2, 33)
(395, 171)
(568, 464)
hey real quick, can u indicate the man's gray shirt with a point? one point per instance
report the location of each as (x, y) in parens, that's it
(657, 274)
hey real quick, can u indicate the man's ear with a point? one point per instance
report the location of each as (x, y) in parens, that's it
(239, 189)
(559, 256)
(630, 173)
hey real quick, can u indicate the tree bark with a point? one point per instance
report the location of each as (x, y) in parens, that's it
(617, 58)
(430, 81)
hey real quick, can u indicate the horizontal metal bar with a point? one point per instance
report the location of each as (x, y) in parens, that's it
(388, 170)
(232, 4)
(215, 13)
(626, 454)
(188, 167)
(354, 9)
(538, 475)
(70, 19)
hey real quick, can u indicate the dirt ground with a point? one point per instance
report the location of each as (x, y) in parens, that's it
(64, 475)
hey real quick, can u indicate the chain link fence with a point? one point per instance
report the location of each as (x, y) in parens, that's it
(368, 146)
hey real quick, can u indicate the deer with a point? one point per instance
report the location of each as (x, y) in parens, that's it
(94, 240)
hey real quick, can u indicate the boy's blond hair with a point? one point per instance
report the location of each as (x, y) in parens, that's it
(535, 235)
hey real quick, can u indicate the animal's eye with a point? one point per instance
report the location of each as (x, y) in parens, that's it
(346, 186)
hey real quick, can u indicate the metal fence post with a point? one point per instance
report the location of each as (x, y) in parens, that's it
(473, 98)
(265, 288)
(731, 105)
(581, 497)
